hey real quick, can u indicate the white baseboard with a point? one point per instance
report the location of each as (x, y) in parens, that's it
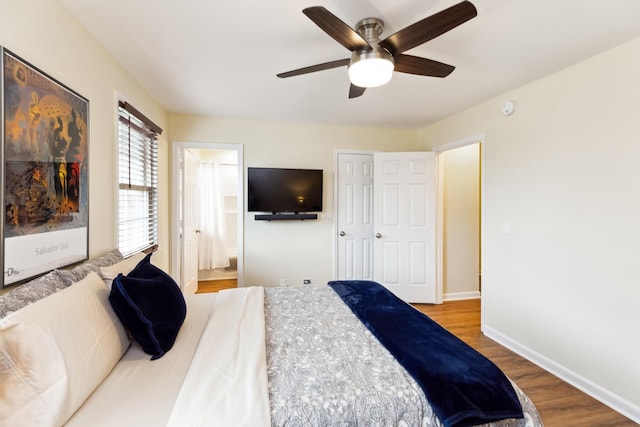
(615, 402)
(455, 296)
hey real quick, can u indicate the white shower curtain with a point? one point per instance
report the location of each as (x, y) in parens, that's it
(212, 242)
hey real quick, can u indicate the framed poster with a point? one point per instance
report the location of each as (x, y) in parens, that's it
(44, 169)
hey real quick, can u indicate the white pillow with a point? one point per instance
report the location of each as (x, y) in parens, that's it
(125, 266)
(55, 352)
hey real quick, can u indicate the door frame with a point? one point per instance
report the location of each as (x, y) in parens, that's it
(474, 139)
(176, 241)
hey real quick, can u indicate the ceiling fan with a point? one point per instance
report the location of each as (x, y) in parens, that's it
(373, 61)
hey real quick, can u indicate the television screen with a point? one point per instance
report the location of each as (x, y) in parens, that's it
(284, 190)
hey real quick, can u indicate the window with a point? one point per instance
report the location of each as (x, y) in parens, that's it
(138, 181)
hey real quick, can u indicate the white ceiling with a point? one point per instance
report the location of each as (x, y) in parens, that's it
(220, 58)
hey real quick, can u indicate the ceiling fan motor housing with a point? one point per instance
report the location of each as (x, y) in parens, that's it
(379, 61)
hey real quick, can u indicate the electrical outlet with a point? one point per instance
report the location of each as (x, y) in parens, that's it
(283, 282)
(307, 281)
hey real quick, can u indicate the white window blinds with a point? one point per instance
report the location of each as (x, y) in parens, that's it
(138, 181)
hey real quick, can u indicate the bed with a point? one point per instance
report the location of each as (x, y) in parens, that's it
(295, 356)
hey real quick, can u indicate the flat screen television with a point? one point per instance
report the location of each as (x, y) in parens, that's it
(278, 190)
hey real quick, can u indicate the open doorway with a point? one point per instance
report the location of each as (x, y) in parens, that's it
(460, 218)
(207, 226)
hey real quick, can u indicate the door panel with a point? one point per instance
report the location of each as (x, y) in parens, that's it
(390, 207)
(404, 220)
(354, 218)
(390, 262)
(418, 205)
(417, 257)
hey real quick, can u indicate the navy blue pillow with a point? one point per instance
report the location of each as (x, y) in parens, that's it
(150, 305)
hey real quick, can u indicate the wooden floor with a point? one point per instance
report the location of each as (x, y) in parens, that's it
(559, 404)
(216, 285)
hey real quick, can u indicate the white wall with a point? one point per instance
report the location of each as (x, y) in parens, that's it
(562, 174)
(290, 250)
(45, 35)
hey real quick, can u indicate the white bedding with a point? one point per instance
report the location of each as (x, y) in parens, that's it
(227, 382)
(137, 384)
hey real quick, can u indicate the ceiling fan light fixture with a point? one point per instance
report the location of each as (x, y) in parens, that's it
(371, 68)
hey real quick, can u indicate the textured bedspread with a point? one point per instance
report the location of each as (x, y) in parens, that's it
(326, 369)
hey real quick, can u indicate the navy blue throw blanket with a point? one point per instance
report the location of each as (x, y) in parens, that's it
(463, 387)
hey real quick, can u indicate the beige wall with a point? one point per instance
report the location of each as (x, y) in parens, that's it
(561, 279)
(45, 35)
(290, 250)
(461, 221)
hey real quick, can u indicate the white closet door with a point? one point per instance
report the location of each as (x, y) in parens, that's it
(355, 216)
(404, 258)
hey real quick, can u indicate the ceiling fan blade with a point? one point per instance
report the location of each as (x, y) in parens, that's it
(356, 91)
(332, 25)
(422, 66)
(314, 68)
(429, 28)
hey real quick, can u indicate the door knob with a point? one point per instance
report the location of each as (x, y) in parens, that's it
(197, 231)
(378, 235)
(342, 233)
